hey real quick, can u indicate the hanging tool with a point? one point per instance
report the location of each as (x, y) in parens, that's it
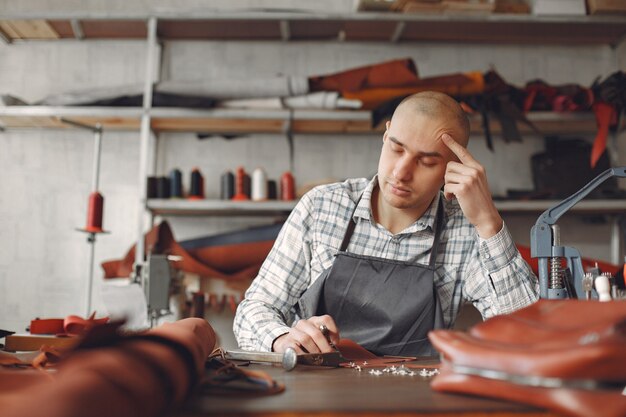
(545, 244)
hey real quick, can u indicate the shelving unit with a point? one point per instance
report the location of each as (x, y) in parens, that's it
(296, 26)
(284, 26)
(177, 207)
(165, 120)
(172, 207)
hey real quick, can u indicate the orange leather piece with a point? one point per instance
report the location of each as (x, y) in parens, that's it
(566, 402)
(356, 353)
(72, 325)
(242, 266)
(454, 84)
(394, 73)
(46, 326)
(605, 113)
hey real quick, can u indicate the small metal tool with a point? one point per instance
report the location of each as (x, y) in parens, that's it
(326, 334)
(588, 285)
(288, 360)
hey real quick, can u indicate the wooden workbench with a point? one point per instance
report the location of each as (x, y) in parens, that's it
(325, 392)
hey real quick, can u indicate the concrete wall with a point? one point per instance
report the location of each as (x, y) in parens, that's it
(46, 175)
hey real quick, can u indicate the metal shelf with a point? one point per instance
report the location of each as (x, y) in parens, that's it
(583, 207)
(175, 207)
(296, 26)
(253, 121)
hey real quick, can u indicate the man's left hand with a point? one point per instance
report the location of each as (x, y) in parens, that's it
(466, 181)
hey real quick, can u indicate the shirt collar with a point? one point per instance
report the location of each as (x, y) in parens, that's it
(364, 210)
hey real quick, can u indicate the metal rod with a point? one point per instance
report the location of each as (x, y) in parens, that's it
(145, 138)
(285, 30)
(96, 158)
(92, 253)
(616, 240)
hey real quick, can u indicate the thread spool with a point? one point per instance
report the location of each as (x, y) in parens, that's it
(259, 185)
(272, 193)
(196, 190)
(247, 185)
(603, 288)
(151, 185)
(197, 305)
(94, 212)
(176, 183)
(227, 185)
(240, 180)
(163, 187)
(287, 187)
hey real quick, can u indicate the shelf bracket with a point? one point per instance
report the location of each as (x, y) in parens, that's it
(77, 28)
(288, 131)
(397, 32)
(4, 37)
(285, 30)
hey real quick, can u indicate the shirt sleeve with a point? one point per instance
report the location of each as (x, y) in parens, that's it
(497, 279)
(267, 308)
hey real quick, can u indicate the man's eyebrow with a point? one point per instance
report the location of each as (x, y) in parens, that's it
(420, 153)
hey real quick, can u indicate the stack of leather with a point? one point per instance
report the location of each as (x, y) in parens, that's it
(565, 355)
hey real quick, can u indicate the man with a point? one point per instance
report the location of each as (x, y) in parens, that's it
(383, 262)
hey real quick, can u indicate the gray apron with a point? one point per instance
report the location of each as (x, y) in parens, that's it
(386, 306)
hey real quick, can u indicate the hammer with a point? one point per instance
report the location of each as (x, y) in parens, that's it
(288, 360)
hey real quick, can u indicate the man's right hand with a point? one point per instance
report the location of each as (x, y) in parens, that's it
(306, 336)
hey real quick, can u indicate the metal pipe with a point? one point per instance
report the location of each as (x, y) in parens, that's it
(145, 140)
(96, 157)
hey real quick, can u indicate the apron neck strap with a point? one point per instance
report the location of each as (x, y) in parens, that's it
(437, 231)
(350, 229)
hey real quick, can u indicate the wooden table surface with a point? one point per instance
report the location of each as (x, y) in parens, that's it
(313, 391)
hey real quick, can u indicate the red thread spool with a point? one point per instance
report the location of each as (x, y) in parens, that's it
(240, 189)
(94, 212)
(287, 187)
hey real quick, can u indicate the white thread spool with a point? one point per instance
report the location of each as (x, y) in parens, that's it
(259, 185)
(603, 287)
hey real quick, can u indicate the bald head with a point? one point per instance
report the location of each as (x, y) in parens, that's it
(436, 105)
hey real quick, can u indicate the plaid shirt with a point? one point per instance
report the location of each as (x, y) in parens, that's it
(488, 272)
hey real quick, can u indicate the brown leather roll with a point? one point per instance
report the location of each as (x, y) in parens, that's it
(141, 375)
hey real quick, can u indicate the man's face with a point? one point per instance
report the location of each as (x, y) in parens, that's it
(413, 160)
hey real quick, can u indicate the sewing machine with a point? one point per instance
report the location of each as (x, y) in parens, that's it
(555, 281)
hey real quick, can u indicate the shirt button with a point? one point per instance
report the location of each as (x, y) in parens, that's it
(487, 255)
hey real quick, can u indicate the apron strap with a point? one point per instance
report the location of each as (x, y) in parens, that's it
(437, 231)
(350, 229)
